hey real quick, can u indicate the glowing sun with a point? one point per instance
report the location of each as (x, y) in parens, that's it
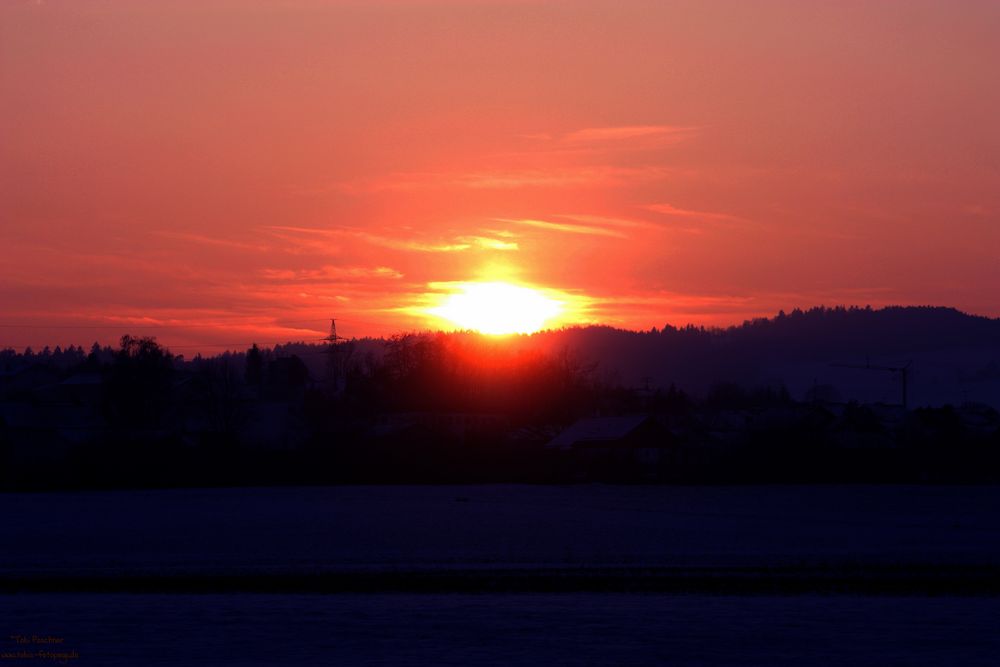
(498, 308)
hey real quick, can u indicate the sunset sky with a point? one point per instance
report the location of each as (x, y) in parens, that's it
(225, 171)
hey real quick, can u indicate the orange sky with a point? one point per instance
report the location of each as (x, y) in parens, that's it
(222, 171)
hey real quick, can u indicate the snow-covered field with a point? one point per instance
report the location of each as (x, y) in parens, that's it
(574, 629)
(291, 531)
(413, 527)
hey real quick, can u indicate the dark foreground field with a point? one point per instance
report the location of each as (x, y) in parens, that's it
(506, 629)
(500, 574)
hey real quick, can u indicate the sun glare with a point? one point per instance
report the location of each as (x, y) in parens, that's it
(498, 308)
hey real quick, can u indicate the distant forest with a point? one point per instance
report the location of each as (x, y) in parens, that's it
(667, 405)
(819, 333)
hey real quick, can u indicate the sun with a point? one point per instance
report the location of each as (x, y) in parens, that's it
(498, 308)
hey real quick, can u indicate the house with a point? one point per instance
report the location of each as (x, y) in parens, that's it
(78, 389)
(628, 447)
(25, 380)
(605, 432)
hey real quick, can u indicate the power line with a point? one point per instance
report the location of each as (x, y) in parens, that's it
(146, 327)
(142, 326)
(200, 345)
(125, 325)
(256, 342)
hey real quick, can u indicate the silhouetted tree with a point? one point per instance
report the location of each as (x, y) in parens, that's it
(287, 377)
(222, 402)
(138, 386)
(255, 366)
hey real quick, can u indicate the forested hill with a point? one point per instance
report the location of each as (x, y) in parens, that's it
(953, 357)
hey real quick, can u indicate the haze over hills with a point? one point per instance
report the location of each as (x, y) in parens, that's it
(951, 357)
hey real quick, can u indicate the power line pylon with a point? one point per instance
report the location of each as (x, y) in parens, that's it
(333, 338)
(334, 361)
(903, 371)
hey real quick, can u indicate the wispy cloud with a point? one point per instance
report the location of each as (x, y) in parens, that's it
(455, 244)
(505, 179)
(375, 239)
(314, 231)
(674, 211)
(567, 227)
(218, 242)
(593, 176)
(627, 132)
(490, 243)
(330, 274)
(606, 220)
(410, 244)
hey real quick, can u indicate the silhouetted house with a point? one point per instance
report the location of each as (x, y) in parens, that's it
(628, 447)
(25, 380)
(78, 389)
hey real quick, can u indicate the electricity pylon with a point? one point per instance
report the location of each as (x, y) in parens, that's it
(333, 362)
(904, 374)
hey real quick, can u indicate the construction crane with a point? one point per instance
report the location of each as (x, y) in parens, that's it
(904, 374)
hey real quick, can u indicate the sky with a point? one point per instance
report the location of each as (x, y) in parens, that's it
(216, 172)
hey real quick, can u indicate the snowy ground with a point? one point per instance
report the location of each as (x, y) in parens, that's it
(343, 528)
(574, 629)
(261, 534)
